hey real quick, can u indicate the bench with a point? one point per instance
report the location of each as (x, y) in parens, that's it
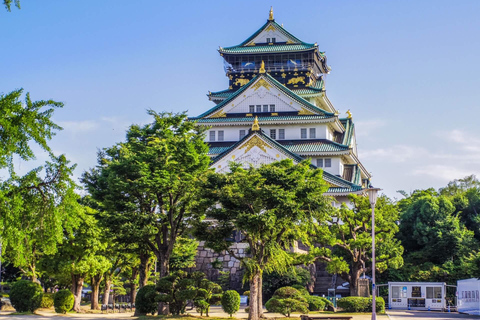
(305, 317)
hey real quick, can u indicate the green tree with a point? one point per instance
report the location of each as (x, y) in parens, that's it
(208, 293)
(8, 4)
(287, 300)
(149, 182)
(270, 206)
(346, 241)
(48, 207)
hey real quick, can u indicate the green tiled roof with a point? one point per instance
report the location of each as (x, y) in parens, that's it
(316, 147)
(221, 94)
(344, 185)
(349, 126)
(268, 48)
(260, 119)
(277, 26)
(277, 84)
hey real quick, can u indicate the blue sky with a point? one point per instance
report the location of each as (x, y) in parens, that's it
(408, 71)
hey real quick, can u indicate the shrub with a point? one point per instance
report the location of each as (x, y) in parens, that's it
(315, 303)
(145, 300)
(47, 301)
(63, 301)
(26, 296)
(231, 302)
(328, 303)
(287, 300)
(294, 276)
(361, 304)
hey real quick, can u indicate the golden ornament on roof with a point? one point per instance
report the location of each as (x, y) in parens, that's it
(270, 16)
(262, 67)
(349, 114)
(255, 125)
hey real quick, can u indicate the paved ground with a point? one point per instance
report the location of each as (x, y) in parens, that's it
(426, 315)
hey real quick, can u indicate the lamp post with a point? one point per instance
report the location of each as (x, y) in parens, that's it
(372, 196)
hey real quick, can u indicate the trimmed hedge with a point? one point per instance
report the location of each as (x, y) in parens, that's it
(360, 304)
(26, 296)
(287, 300)
(145, 301)
(47, 301)
(231, 302)
(315, 303)
(63, 301)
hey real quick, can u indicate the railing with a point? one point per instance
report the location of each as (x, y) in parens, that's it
(270, 68)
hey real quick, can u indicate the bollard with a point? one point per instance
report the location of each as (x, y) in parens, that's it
(409, 306)
(429, 308)
(448, 308)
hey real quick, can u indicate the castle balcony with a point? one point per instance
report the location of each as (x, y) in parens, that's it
(273, 68)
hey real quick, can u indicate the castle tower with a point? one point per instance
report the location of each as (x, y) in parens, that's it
(278, 81)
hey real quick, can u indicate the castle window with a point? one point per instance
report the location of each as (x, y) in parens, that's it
(274, 40)
(303, 133)
(319, 163)
(252, 109)
(272, 108)
(281, 133)
(259, 108)
(268, 39)
(328, 163)
(212, 135)
(312, 133)
(265, 108)
(242, 134)
(220, 135)
(273, 133)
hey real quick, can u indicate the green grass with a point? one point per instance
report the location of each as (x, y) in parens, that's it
(21, 313)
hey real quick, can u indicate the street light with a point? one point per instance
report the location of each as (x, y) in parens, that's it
(372, 196)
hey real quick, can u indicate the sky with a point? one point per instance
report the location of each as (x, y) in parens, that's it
(408, 70)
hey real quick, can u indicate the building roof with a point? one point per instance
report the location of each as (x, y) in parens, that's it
(261, 119)
(268, 48)
(274, 82)
(338, 185)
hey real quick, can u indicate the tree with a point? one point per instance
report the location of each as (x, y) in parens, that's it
(8, 4)
(77, 257)
(149, 182)
(48, 207)
(287, 300)
(345, 239)
(270, 206)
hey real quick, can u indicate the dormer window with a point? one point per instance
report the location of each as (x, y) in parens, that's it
(274, 40)
(268, 40)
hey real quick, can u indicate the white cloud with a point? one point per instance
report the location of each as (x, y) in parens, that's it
(398, 153)
(79, 126)
(442, 172)
(365, 128)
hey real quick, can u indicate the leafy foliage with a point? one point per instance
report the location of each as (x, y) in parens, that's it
(146, 302)
(231, 302)
(293, 277)
(361, 304)
(63, 301)
(47, 301)
(8, 4)
(287, 300)
(26, 296)
(315, 303)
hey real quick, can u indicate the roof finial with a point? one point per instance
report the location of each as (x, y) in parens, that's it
(349, 114)
(262, 68)
(255, 125)
(270, 16)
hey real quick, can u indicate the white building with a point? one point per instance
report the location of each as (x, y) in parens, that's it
(468, 300)
(278, 82)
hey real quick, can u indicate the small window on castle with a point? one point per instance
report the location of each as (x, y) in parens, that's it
(251, 109)
(220, 135)
(259, 108)
(319, 163)
(242, 134)
(272, 108)
(274, 40)
(212, 135)
(303, 133)
(328, 163)
(281, 133)
(312, 133)
(273, 133)
(265, 108)
(268, 40)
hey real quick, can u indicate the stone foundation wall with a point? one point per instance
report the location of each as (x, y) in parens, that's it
(211, 263)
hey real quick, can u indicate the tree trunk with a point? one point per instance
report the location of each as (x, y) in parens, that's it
(133, 285)
(253, 307)
(106, 292)
(163, 262)
(95, 282)
(144, 269)
(354, 276)
(260, 296)
(77, 286)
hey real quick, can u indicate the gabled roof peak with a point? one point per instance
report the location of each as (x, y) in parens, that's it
(270, 16)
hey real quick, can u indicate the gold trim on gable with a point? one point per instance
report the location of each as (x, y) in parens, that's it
(305, 112)
(219, 114)
(261, 83)
(270, 28)
(255, 141)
